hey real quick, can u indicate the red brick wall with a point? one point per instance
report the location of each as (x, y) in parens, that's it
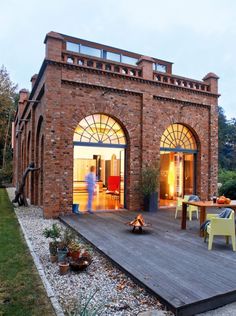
(144, 108)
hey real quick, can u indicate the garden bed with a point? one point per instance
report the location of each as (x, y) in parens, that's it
(111, 289)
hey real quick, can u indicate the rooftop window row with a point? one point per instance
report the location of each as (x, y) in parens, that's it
(159, 67)
(101, 53)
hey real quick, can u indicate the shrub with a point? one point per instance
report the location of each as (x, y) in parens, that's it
(69, 236)
(54, 232)
(228, 189)
(6, 175)
(226, 175)
(149, 180)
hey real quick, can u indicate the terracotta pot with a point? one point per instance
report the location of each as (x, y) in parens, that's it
(63, 267)
(53, 258)
(75, 255)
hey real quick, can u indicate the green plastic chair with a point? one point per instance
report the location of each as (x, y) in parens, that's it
(190, 208)
(221, 227)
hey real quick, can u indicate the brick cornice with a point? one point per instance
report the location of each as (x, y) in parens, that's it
(183, 102)
(93, 70)
(130, 78)
(99, 87)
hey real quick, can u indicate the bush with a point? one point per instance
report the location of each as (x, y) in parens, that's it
(226, 175)
(228, 189)
(54, 232)
(149, 180)
(6, 175)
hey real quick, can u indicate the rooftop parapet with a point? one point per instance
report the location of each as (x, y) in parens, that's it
(212, 80)
(82, 53)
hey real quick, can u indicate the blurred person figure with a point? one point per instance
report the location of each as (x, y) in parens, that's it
(91, 183)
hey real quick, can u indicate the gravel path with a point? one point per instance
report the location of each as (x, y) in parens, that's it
(116, 293)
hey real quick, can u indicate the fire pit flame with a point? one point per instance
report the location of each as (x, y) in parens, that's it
(138, 222)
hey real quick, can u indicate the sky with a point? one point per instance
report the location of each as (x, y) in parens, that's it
(197, 36)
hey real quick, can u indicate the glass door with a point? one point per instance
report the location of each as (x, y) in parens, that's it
(178, 163)
(188, 174)
(176, 176)
(122, 176)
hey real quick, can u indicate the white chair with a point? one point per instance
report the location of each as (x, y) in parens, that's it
(178, 206)
(190, 208)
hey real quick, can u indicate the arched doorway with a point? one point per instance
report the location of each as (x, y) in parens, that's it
(178, 151)
(38, 161)
(28, 159)
(99, 140)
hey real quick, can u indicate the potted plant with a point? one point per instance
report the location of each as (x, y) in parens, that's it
(80, 264)
(62, 251)
(149, 188)
(66, 244)
(64, 267)
(54, 233)
(69, 236)
(74, 250)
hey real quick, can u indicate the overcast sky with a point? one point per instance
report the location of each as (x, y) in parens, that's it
(197, 36)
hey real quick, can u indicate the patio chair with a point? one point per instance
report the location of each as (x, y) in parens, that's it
(178, 206)
(190, 208)
(113, 186)
(221, 227)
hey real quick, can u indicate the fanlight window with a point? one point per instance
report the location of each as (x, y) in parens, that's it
(101, 129)
(178, 136)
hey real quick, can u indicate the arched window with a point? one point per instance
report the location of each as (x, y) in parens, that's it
(99, 129)
(179, 137)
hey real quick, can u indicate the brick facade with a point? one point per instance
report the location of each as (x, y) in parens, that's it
(143, 101)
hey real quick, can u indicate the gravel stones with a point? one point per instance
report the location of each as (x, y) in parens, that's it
(111, 289)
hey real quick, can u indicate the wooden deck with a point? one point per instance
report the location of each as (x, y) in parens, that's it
(173, 264)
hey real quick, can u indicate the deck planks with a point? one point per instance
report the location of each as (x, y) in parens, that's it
(173, 264)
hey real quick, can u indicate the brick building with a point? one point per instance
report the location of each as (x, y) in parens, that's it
(92, 104)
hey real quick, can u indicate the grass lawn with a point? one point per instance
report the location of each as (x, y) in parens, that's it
(21, 290)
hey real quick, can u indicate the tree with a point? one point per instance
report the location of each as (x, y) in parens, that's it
(8, 101)
(227, 142)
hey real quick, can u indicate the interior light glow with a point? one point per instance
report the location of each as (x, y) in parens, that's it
(171, 179)
(180, 176)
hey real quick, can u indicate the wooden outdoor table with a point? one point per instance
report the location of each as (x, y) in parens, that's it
(202, 206)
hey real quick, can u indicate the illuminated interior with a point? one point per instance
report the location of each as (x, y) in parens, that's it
(99, 141)
(177, 164)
